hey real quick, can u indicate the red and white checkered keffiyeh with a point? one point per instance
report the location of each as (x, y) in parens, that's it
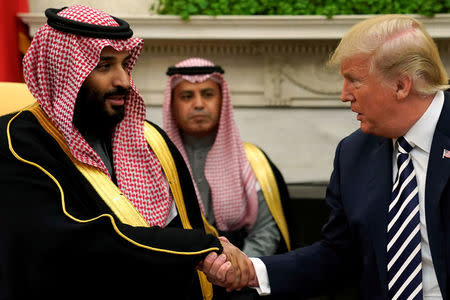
(227, 170)
(55, 67)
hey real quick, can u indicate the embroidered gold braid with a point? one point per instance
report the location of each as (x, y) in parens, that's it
(269, 187)
(161, 150)
(112, 195)
(49, 127)
(106, 189)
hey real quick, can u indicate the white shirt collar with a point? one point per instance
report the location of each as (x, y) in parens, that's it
(421, 133)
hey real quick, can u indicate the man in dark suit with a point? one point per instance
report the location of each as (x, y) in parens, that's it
(389, 226)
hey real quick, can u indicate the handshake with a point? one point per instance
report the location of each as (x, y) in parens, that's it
(232, 269)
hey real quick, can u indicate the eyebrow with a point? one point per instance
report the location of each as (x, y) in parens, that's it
(189, 91)
(185, 91)
(103, 58)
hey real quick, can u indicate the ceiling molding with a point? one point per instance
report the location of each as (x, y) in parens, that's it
(164, 27)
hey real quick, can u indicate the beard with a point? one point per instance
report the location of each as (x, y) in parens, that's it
(90, 115)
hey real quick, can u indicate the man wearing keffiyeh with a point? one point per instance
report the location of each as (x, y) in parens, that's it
(95, 200)
(198, 118)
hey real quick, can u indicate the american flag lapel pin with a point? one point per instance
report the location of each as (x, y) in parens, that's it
(446, 153)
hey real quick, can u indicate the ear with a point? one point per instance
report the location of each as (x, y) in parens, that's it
(403, 86)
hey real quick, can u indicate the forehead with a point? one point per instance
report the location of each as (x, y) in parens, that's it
(358, 64)
(185, 86)
(110, 52)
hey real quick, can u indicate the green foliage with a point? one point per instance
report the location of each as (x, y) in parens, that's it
(329, 8)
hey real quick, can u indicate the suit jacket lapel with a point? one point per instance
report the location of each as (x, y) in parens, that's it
(379, 186)
(437, 178)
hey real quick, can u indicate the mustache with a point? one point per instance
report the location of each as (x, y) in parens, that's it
(199, 114)
(118, 91)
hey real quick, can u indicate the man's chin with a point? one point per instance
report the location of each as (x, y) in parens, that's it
(116, 115)
(364, 127)
(368, 129)
(201, 131)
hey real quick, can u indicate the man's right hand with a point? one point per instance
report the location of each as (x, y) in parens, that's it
(232, 269)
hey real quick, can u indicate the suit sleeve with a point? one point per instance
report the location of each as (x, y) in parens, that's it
(325, 265)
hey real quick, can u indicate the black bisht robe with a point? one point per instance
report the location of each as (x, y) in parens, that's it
(45, 253)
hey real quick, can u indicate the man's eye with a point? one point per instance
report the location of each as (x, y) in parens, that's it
(209, 93)
(102, 67)
(125, 65)
(356, 83)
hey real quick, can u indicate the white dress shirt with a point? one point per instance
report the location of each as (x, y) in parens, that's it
(421, 135)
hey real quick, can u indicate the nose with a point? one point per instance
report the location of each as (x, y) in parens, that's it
(121, 78)
(346, 94)
(198, 102)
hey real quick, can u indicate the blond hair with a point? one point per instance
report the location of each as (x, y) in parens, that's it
(396, 45)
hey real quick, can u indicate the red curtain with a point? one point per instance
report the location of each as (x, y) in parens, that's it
(14, 39)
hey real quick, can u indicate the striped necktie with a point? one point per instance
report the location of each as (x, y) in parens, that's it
(403, 249)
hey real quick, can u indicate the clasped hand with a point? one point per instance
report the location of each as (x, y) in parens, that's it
(232, 269)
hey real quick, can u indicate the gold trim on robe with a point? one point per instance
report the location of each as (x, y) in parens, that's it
(161, 150)
(110, 193)
(264, 174)
(266, 179)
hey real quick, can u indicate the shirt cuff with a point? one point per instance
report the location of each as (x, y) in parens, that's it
(262, 276)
